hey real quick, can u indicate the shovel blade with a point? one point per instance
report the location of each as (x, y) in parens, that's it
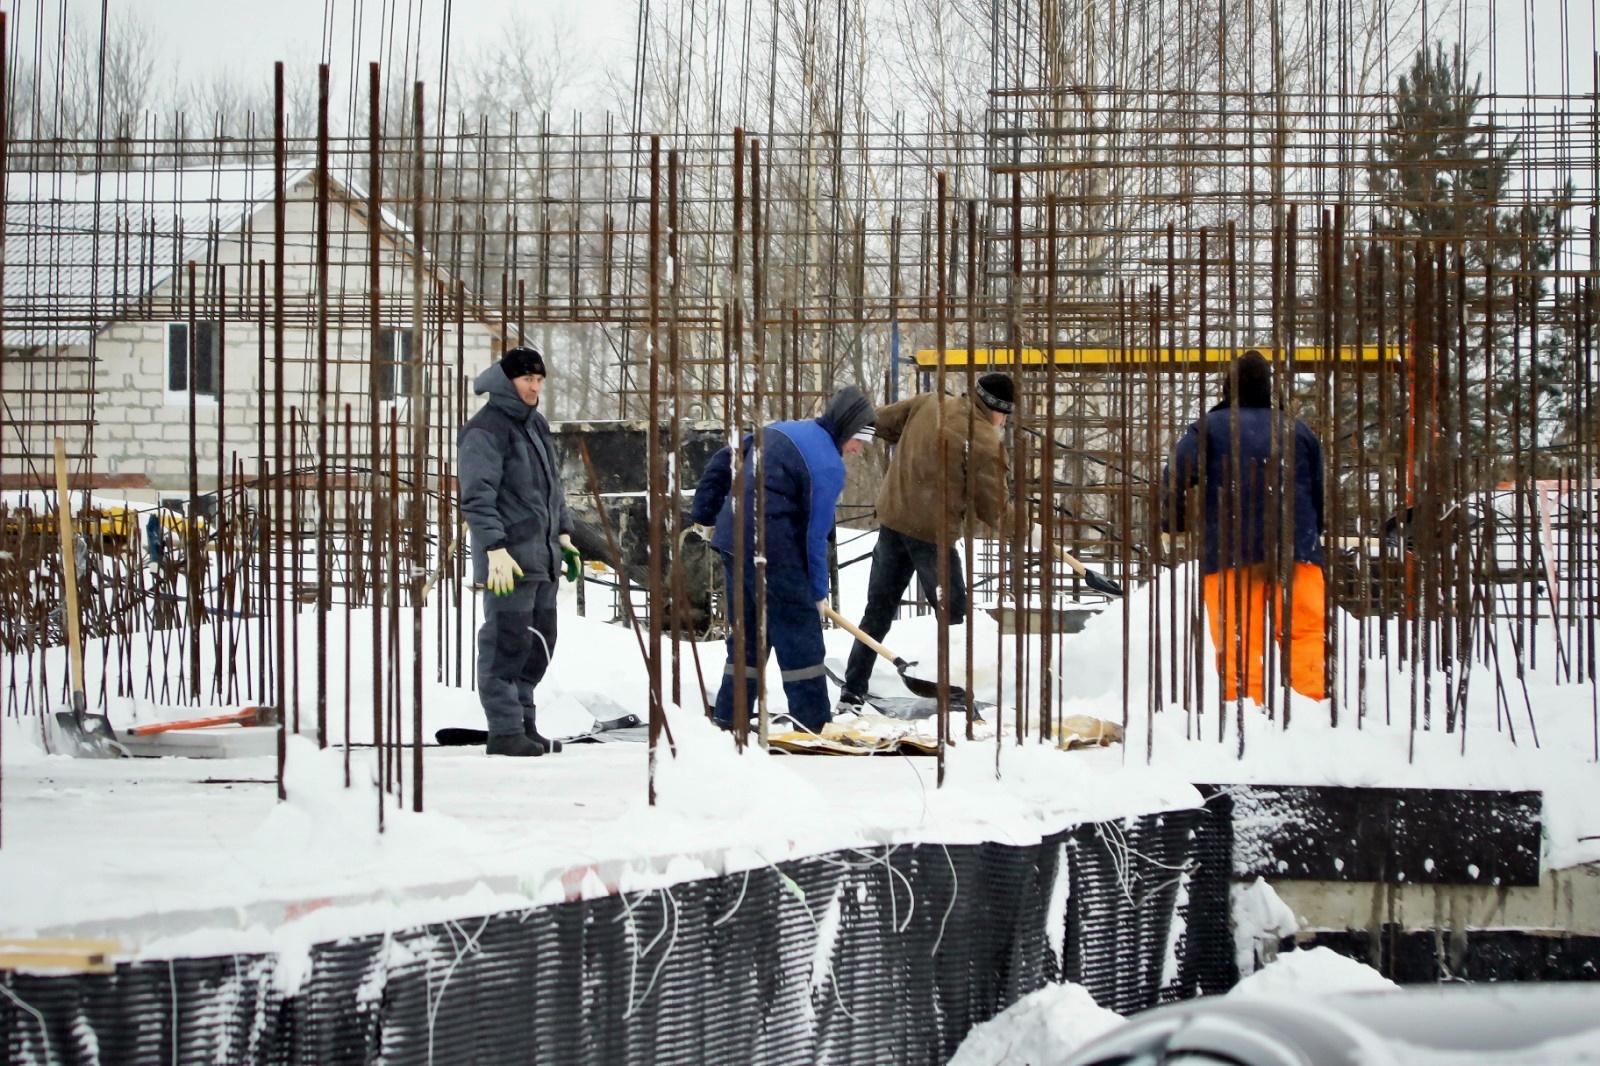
(922, 687)
(1100, 583)
(90, 736)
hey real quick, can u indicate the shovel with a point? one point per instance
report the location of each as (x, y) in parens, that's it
(91, 735)
(917, 685)
(1095, 580)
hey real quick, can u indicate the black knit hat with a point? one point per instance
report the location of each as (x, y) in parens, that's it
(848, 412)
(1249, 379)
(997, 392)
(521, 361)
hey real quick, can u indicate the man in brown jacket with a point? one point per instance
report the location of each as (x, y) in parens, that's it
(910, 521)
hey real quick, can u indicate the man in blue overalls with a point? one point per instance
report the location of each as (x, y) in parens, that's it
(802, 472)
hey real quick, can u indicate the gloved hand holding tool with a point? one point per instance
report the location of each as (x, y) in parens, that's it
(570, 559)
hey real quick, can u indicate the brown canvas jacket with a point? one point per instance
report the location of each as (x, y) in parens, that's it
(908, 500)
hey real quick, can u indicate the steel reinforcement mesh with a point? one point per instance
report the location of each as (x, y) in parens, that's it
(884, 955)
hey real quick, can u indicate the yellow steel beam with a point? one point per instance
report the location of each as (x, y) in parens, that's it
(1176, 359)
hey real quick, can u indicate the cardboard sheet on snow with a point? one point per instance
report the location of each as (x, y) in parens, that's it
(870, 734)
(877, 734)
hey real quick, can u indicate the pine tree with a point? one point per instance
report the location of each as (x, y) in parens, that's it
(1439, 177)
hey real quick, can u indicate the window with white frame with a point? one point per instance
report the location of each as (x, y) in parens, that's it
(206, 356)
(394, 366)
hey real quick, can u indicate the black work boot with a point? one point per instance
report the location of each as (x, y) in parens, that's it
(532, 733)
(514, 744)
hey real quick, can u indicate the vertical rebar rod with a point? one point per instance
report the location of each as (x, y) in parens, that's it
(324, 283)
(657, 494)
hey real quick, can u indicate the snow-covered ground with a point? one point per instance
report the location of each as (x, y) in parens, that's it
(178, 856)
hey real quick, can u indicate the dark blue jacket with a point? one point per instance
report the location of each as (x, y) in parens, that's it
(803, 473)
(1242, 513)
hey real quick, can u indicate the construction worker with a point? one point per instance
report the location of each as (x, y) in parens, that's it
(802, 472)
(516, 511)
(1263, 493)
(910, 521)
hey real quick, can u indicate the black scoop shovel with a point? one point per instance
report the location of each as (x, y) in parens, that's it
(1095, 580)
(917, 685)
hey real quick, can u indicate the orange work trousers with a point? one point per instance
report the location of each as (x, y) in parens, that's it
(1236, 607)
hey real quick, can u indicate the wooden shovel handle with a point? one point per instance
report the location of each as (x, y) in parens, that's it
(69, 575)
(1072, 561)
(247, 716)
(851, 628)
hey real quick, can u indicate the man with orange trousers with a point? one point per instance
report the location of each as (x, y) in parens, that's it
(1260, 481)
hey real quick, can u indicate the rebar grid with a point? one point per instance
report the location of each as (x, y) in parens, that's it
(747, 276)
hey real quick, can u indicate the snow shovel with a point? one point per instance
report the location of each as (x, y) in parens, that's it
(1095, 580)
(917, 685)
(91, 735)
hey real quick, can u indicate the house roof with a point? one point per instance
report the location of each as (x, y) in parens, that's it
(80, 248)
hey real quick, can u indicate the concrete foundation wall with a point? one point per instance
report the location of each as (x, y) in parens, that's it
(1568, 901)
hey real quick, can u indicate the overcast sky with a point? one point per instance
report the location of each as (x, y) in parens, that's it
(242, 36)
(245, 37)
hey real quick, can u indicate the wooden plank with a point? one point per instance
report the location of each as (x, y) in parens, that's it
(77, 956)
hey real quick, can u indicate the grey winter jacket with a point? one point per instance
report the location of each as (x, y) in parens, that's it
(510, 477)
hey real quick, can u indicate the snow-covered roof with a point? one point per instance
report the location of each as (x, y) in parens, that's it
(81, 247)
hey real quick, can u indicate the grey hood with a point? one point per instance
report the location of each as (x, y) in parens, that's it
(494, 384)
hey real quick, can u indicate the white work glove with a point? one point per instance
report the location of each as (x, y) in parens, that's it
(503, 572)
(1036, 538)
(822, 609)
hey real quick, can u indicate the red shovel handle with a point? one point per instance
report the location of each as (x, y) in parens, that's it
(244, 716)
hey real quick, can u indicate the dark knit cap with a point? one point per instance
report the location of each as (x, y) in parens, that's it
(1249, 379)
(848, 412)
(521, 361)
(997, 392)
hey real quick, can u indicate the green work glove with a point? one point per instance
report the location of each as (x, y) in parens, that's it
(503, 572)
(570, 558)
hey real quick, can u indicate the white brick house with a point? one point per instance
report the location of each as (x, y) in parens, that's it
(137, 327)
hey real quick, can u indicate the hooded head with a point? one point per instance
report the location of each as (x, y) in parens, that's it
(1249, 379)
(507, 382)
(997, 392)
(847, 414)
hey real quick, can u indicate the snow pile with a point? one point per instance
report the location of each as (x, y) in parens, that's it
(1313, 972)
(1258, 915)
(1042, 1027)
(1016, 791)
(322, 821)
(323, 841)
(20, 741)
(702, 775)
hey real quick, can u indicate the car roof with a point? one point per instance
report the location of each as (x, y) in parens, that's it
(1371, 1027)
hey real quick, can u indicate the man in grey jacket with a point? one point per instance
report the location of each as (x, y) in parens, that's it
(514, 506)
